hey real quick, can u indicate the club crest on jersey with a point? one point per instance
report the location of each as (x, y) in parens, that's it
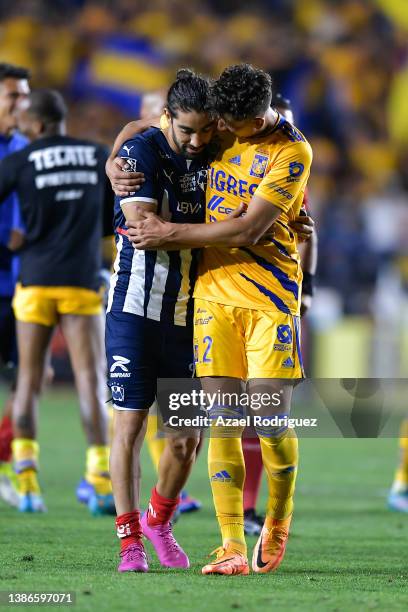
(131, 163)
(259, 164)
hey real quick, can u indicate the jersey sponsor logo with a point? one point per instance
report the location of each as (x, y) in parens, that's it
(259, 165)
(284, 334)
(235, 160)
(118, 393)
(72, 194)
(188, 207)
(280, 190)
(57, 179)
(192, 181)
(222, 476)
(120, 363)
(295, 171)
(215, 204)
(63, 155)
(220, 181)
(288, 363)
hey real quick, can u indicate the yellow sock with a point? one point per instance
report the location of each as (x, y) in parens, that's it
(401, 475)
(280, 458)
(97, 469)
(25, 460)
(154, 443)
(226, 469)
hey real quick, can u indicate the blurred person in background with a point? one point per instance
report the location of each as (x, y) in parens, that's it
(65, 201)
(14, 88)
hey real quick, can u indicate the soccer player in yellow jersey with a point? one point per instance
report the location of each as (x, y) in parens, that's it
(247, 302)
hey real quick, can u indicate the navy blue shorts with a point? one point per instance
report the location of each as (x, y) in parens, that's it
(138, 352)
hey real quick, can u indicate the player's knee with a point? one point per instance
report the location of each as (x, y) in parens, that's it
(183, 449)
(30, 380)
(271, 432)
(127, 427)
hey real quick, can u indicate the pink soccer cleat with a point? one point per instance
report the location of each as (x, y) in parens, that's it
(133, 559)
(169, 552)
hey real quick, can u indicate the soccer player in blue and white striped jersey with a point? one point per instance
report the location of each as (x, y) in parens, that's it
(149, 332)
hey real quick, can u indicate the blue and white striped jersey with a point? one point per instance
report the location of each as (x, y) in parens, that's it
(159, 284)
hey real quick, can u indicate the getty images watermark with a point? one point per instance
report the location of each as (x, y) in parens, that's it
(231, 409)
(348, 408)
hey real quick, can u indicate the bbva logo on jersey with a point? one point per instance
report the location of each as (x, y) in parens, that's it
(188, 207)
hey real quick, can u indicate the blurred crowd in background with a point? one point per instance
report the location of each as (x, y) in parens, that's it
(343, 64)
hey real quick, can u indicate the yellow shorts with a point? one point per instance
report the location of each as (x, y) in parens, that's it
(245, 343)
(43, 305)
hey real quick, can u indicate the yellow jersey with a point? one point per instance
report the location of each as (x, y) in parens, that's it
(268, 275)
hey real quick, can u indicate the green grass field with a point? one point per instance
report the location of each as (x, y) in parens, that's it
(346, 552)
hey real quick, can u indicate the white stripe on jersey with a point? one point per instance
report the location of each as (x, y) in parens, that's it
(161, 272)
(114, 277)
(135, 294)
(165, 207)
(137, 198)
(180, 311)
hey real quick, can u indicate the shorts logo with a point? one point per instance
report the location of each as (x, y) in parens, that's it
(295, 171)
(259, 164)
(288, 363)
(284, 334)
(282, 347)
(118, 393)
(120, 362)
(203, 320)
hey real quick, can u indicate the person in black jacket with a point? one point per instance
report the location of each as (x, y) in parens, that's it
(66, 203)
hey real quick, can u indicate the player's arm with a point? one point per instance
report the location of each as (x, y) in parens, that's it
(135, 205)
(122, 180)
(154, 232)
(274, 195)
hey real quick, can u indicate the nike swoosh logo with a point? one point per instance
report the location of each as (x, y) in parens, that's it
(259, 560)
(223, 561)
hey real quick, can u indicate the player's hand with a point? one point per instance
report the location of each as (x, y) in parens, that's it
(16, 240)
(238, 212)
(305, 304)
(149, 233)
(123, 182)
(303, 226)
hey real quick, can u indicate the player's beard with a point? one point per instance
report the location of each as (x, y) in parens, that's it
(183, 148)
